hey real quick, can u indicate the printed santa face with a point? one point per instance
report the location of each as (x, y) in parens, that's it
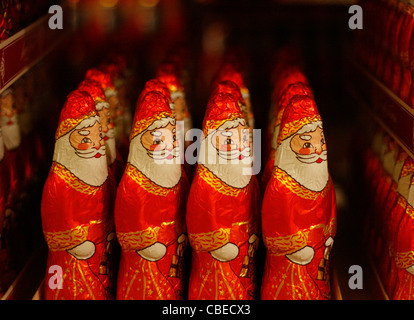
(232, 143)
(154, 149)
(9, 121)
(161, 143)
(225, 150)
(88, 141)
(94, 89)
(310, 146)
(81, 149)
(302, 151)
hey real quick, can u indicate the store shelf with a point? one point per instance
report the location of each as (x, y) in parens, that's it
(26, 48)
(392, 113)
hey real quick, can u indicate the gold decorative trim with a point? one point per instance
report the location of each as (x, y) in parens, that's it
(208, 241)
(218, 184)
(297, 188)
(74, 182)
(404, 259)
(64, 240)
(410, 210)
(140, 125)
(67, 239)
(407, 169)
(137, 240)
(292, 127)
(146, 183)
(212, 125)
(68, 124)
(283, 245)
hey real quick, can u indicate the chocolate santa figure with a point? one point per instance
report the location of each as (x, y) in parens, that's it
(299, 209)
(294, 89)
(222, 219)
(167, 74)
(150, 207)
(388, 268)
(231, 72)
(108, 130)
(12, 143)
(75, 206)
(284, 76)
(14, 155)
(104, 79)
(116, 67)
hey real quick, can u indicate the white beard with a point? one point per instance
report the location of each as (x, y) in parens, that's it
(236, 174)
(11, 132)
(389, 161)
(92, 171)
(313, 176)
(166, 174)
(404, 186)
(110, 146)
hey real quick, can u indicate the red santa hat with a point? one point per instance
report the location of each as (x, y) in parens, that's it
(230, 87)
(286, 77)
(293, 90)
(96, 92)
(78, 107)
(152, 108)
(221, 108)
(300, 112)
(229, 72)
(104, 79)
(155, 85)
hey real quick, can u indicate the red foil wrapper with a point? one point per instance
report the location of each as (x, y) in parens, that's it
(222, 213)
(76, 207)
(150, 210)
(299, 210)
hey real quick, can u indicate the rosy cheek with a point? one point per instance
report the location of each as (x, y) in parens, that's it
(225, 147)
(83, 146)
(156, 147)
(304, 151)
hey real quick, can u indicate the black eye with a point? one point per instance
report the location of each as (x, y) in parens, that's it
(86, 140)
(307, 145)
(174, 137)
(323, 141)
(228, 141)
(157, 141)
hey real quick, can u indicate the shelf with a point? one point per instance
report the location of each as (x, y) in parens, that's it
(27, 47)
(393, 114)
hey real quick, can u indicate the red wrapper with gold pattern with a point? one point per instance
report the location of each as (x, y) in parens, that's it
(222, 210)
(150, 208)
(404, 253)
(299, 210)
(395, 236)
(76, 207)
